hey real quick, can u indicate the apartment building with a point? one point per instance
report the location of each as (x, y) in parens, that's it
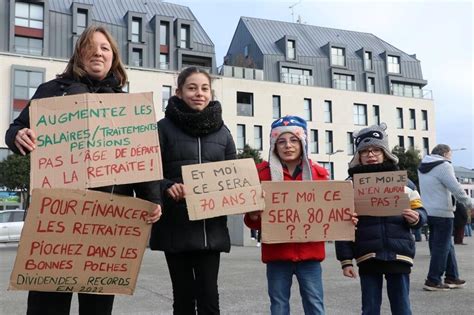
(339, 81)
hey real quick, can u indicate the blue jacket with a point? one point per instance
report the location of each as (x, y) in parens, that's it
(383, 238)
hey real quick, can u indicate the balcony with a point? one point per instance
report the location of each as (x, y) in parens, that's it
(241, 72)
(409, 91)
(299, 79)
(344, 85)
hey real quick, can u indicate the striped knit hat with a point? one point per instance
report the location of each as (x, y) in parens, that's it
(296, 126)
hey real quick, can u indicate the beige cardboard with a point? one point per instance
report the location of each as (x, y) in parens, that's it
(92, 140)
(67, 247)
(307, 211)
(381, 194)
(222, 188)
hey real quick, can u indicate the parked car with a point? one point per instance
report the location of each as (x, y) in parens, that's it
(11, 224)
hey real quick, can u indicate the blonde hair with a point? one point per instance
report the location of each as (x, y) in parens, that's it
(75, 67)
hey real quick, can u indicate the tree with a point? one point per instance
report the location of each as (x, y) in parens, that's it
(249, 152)
(408, 160)
(15, 175)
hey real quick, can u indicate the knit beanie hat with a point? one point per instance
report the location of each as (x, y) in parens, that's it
(375, 136)
(296, 126)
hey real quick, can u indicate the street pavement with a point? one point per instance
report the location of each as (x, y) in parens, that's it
(242, 286)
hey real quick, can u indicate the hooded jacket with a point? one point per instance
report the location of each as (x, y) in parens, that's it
(289, 251)
(437, 184)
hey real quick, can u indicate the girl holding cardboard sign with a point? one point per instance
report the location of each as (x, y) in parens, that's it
(289, 160)
(383, 246)
(192, 132)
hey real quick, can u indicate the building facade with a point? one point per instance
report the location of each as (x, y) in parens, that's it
(158, 39)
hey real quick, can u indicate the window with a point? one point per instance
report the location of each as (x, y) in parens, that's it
(184, 36)
(344, 82)
(327, 111)
(401, 141)
(164, 63)
(367, 60)
(296, 76)
(137, 55)
(393, 63)
(411, 142)
(29, 15)
(350, 143)
(244, 104)
(165, 96)
(307, 110)
(136, 29)
(291, 50)
(412, 119)
(314, 146)
(329, 144)
(407, 90)
(164, 33)
(360, 114)
(329, 166)
(371, 85)
(246, 51)
(25, 84)
(426, 148)
(126, 87)
(240, 137)
(276, 106)
(424, 120)
(337, 56)
(257, 138)
(376, 111)
(399, 118)
(81, 21)
(28, 45)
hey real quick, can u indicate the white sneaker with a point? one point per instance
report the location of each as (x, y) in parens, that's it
(258, 244)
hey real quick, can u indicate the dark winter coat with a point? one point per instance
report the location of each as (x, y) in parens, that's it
(174, 232)
(387, 239)
(64, 86)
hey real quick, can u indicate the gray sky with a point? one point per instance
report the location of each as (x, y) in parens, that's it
(440, 33)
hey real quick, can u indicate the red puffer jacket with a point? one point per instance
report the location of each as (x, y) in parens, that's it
(288, 251)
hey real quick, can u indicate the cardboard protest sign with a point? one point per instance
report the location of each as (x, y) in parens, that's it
(307, 211)
(380, 194)
(92, 140)
(81, 241)
(222, 188)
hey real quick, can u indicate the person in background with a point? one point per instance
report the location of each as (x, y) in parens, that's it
(459, 222)
(288, 160)
(95, 67)
(437, 184)
(383, 246)
(192, 132)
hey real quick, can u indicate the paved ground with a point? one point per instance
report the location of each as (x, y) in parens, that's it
(242, 286)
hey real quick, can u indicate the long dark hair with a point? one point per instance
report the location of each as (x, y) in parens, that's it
(75, 66)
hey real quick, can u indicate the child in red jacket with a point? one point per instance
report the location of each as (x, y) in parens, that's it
(288, 160)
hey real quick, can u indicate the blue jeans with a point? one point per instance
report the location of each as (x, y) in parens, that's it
(468, 230)
(309, 276)
(398, 291)
(443, 257)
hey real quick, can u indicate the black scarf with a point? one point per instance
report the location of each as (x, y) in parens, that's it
(386, 166)
(194, 123)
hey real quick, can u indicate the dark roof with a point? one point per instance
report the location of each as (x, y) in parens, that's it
(114, 11)
(463, 172)
(311, 39)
